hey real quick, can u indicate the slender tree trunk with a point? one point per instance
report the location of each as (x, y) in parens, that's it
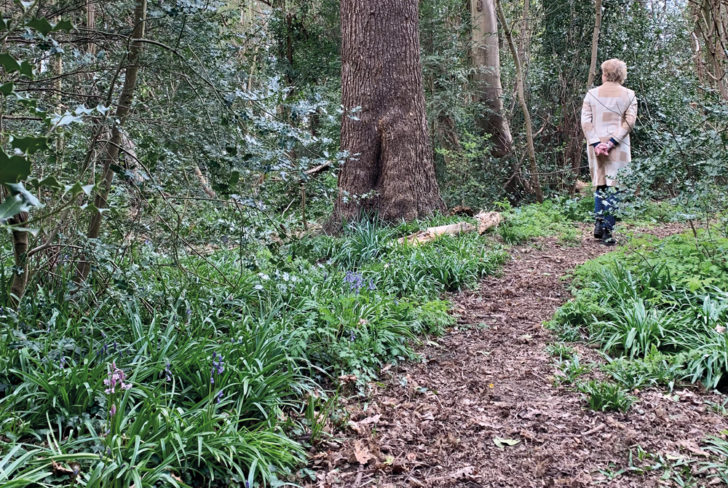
(390, 170)
(20, 253)
(535, 184)
(91, 25)
(486, 60)
(524, 41)
(110, 153)
(594, 44)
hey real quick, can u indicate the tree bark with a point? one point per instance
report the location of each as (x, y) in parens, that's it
(711, 25)
(389, 170)
(91, 25)
(110, 153)
(20, 252)
(535, 184)
(486, 60)
(594, 45)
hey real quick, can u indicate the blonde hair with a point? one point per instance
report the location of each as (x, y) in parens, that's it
(614, 70)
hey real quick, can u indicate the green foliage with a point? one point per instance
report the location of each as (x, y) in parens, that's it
(603, 396)
(655, 369)
(571, 369)
(222, 372)
(561, 350)
(633, 329)
(552, 217)
(659, 307)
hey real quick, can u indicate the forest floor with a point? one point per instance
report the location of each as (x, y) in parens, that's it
(450, 419)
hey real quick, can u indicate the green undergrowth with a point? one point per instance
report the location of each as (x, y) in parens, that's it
(551, 218)
(658, 309)
(230, 358)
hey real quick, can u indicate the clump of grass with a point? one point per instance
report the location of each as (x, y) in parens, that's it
(603, 396)
(561, 350)
(571, 370)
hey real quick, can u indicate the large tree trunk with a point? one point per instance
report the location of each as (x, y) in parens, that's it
(110, 153)
(711, 26)
(486, 60)
(390, 170)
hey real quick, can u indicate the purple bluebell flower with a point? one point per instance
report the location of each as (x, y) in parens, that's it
(217, 366)
(115, 377)
(112, 411)
(63, 361)
(355, 280)
(372, 286)
(167, 372)
(218, 397)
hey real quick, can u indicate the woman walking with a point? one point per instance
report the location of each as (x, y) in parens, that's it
(607, 116)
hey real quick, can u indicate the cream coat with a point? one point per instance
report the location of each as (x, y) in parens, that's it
(609, 111)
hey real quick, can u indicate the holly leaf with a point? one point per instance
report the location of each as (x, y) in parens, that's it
(65, 119)
(29, 144)
(11, 207)
(18, 189)
(13, 168)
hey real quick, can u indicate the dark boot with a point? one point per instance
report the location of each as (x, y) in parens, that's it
(607, 238)
(599, 229)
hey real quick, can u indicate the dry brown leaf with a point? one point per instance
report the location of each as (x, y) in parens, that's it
(692, 447)
(59, 469)
(362, 453)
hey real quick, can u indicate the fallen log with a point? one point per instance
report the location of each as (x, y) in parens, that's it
(486, 220)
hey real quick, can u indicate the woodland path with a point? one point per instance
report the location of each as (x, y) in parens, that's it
(433, 423)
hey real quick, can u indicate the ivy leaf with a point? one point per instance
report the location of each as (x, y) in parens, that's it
(13, 168)
(64, 25)
(41, 25)
(26, 5)
(6, 89)
(26, 69)
(9, 63)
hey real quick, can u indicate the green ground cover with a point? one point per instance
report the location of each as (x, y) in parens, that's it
(231, 359)
(657, 308)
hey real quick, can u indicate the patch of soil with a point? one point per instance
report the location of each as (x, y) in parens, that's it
(448, 421)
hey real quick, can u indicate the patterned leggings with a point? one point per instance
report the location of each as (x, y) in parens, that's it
(606, 202)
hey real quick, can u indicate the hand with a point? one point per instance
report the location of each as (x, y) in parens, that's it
(603, 148)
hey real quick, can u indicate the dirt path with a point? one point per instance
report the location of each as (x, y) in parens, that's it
(434, 423)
